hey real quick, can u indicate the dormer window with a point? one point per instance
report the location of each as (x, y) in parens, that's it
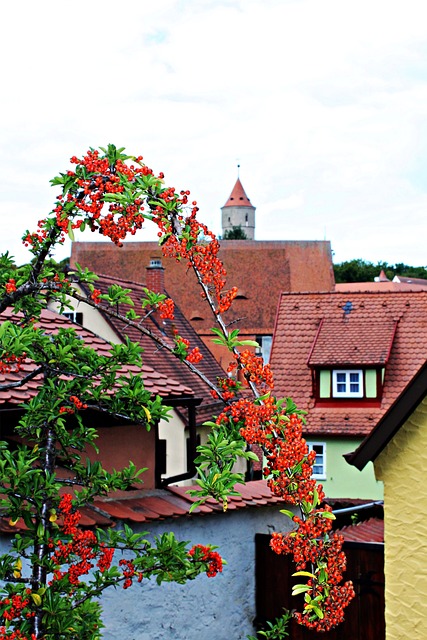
(347, 383)
(348, 359)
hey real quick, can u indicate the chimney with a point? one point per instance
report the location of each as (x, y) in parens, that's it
(155, 277)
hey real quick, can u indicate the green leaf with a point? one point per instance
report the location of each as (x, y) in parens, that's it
(300, 588)
(288, 513)
(70, 231)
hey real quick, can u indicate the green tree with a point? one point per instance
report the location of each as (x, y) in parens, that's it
(235, 233)
(359, 270)
(55, 572)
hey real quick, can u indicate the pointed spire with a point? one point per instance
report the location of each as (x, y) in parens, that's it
(238, 197)
(382, 277)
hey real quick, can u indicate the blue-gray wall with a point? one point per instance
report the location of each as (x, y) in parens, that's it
(220, 608)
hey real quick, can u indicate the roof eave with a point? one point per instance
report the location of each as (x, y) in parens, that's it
(391, 422)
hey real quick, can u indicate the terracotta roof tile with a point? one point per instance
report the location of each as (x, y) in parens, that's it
(155, 381)
(371, 530)
(238, 197)
(260, 269)
(173, 502)
(298, 321)
(339, 343)
(160, 359)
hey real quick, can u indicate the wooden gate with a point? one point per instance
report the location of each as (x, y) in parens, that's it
(364, 619)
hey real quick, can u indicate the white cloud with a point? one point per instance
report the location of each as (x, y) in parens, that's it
(324, 105)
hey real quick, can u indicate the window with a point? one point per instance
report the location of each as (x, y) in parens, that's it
(74, 316)
(319, 467)
(347, 384)
(264, 349)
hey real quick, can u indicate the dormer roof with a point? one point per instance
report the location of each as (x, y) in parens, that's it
(338, 343)
(238, 197)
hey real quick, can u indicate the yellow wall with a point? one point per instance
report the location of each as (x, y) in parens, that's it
(402, 467)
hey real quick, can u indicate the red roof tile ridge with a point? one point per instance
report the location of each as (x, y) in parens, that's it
(334, 293)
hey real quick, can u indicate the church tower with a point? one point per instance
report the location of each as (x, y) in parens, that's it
(238, 212)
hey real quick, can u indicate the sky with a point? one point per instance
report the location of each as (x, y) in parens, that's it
(323, 104)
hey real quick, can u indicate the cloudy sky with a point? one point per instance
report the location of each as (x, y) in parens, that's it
(323, 104)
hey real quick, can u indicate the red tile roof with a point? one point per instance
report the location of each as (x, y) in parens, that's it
(381, 286)
(173, 502)
(298, 322)
(339, 343)
(238, 197)
(259, 269)
(156, 382)
(164, 362)
(371, 530)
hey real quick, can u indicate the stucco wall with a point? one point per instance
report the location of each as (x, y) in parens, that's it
(402, 467)
(222, 607)
(342, 480)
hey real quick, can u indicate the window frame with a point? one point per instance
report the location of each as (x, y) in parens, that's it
(311, 444)
(76, 317)
(347, 393)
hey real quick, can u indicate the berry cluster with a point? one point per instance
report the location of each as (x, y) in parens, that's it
(10, 362)
(129, 572)
(78, 551)
(166, 309)
(10, 285)
(212, 559)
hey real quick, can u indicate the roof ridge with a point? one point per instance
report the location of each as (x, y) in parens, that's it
(355, 293)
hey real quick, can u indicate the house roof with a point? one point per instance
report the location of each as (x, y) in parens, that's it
(155, 381)
(160, 359)
(259, 269)
(371, 317)
(238, 197)
(371, 530)
(410, 280)
(390, 423)
(173, 502)
(382, 285)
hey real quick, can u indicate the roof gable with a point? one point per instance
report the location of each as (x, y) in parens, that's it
(164, 362)
(392, 420)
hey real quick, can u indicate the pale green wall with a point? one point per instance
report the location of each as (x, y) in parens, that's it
(343, 480)
(371, 383)
(325, 384)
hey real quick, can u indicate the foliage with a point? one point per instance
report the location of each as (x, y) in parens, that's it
(277, 630)
(48, 480)
(235, 233)
(358, 270)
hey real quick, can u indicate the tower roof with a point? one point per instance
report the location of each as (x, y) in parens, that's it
(238, 197)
